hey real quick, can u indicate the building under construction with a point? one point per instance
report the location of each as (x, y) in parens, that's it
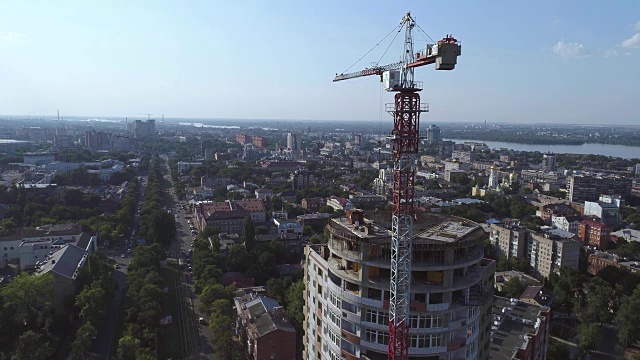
(347, 292)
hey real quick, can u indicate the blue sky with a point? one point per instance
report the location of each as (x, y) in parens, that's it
(540, 61)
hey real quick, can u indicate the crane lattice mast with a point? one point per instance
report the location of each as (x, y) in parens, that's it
(405, 137)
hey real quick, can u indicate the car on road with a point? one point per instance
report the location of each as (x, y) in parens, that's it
(202, 321)
(123, 256)
(116, 266)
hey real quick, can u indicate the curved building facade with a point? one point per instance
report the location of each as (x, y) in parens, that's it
(347, 292)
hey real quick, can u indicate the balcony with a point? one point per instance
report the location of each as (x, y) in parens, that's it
(347, 355)
(350, 337)
(374, 346)
(457, 324)
(438, 307)
(456, 344)
(428, 351)
(319, 312)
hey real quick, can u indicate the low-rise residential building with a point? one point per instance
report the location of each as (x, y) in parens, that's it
(263, 327)
(600, 260)
(301, 179)
(537, 295)
(594, 233)
(64, 265)
(228, 216)
(607, 211)
(27, 246)
(184, 166)
(313, 204)
(264, 194)
(316, 220)
(339, 203)
(566, 222)
(288, 226)
(502, 277)
(519, 330)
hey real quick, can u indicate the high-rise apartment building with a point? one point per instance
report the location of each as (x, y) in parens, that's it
(588, 188)
(98, 140)
(294, 142)
(433, 133)
(552, 249)
(548, 162)
(509, 238)
(140, 129)
(347, 292)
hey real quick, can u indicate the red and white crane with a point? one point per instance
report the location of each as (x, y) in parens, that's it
(405, 137)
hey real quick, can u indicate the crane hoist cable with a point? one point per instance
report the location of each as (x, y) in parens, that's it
(392, 41)
(397, 28)
(424, 32)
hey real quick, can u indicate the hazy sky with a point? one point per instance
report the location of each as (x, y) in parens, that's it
(571, 61)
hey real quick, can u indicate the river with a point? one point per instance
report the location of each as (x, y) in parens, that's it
(622, 151)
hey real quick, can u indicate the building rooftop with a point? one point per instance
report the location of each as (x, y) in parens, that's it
(313, 216)
(537, 294)
(367, 230)
(514, 322)
(64, 262)
(264, 314)
(449, 231)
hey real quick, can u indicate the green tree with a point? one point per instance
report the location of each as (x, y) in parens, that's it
(596, 304)
(221, 326)
(92, 303)
(587, 336)
(82, 343)
(514, 287)
(558, 351)
(31, 346)
(248, 233)
(128, 346)
(29, 298)
(628, 317)
(326, 209)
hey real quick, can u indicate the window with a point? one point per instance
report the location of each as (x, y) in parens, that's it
(376, 317)
(426, 321)
(473, 311)
(335, 338)
(334, 300)
(375, 336)
(425, 341)
(335, 319)
(11, 248)
(472, 347)
(334, 356)
(471, 330)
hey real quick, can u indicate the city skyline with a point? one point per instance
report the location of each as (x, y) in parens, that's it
(276, 61)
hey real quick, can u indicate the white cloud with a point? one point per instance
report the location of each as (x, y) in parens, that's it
(12, 37)
(570, 50)
(610, 53)
(632, 42)
(637, 26)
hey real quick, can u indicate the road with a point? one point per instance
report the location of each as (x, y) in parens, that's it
(196, 338)
(106, 333)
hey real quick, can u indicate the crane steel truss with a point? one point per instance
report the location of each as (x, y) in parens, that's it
(405, 138)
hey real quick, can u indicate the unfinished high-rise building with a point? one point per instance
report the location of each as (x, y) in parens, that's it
(347, 292)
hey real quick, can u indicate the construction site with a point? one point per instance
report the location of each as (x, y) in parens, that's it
(419, 288)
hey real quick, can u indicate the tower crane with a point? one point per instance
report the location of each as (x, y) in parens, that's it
(405, 137)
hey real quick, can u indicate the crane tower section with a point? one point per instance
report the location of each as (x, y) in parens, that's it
(405, 137)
